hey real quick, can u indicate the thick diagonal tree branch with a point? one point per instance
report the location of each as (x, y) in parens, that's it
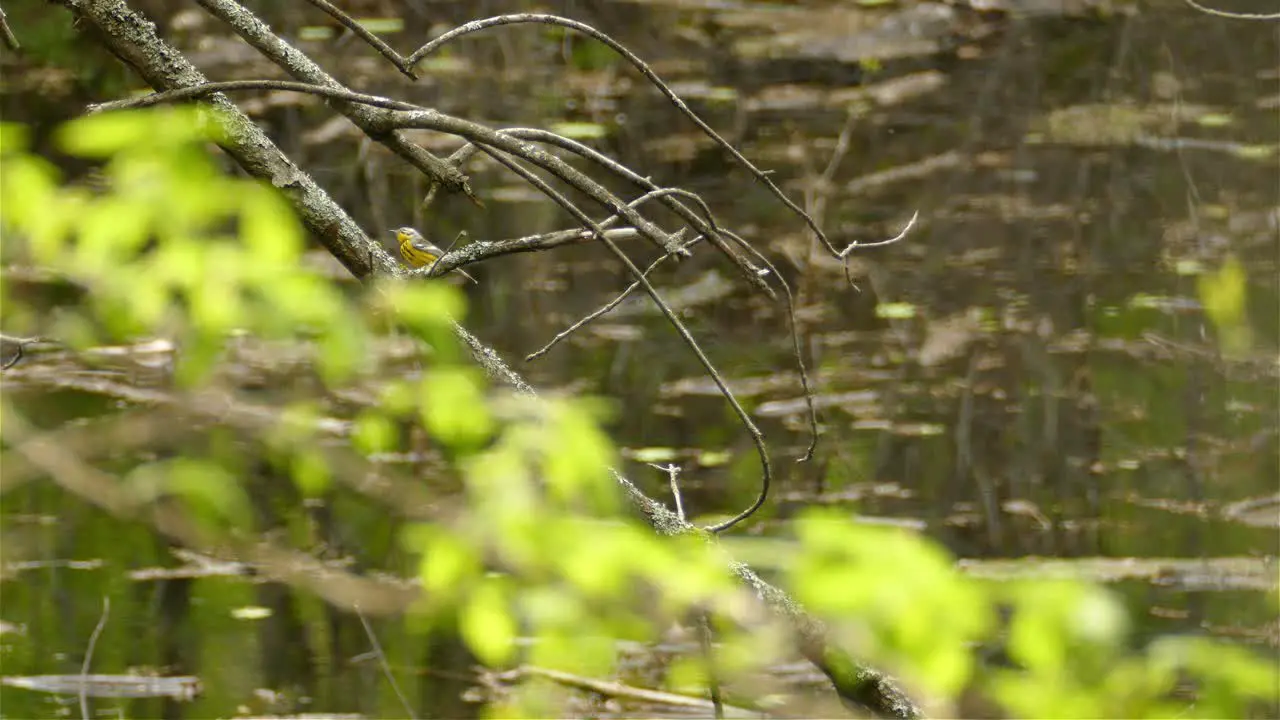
(133, 39)
(298, 65)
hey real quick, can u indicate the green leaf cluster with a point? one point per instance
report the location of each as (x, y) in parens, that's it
(167, 244)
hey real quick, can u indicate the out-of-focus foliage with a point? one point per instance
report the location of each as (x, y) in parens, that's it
(1223, 293)
(923, 620)
(1064, 647)
(536, 543)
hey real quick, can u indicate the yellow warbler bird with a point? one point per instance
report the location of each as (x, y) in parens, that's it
(419, 251)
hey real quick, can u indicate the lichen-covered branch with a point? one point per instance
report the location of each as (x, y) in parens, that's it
(134, 40)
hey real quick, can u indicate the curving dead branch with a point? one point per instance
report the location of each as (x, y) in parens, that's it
(649, 75)
(374, 41)
(602, 310)
(1232, 15)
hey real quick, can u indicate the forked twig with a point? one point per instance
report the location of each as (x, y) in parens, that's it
(385, 50)
(601, 311)
(648, 73)
(88, 657)
(855, 245)
(673, 477)
(301, 67)
(757, 438)
(430, 269)
(794, 327)
(704, 224)
(382, 662)
(492, 140)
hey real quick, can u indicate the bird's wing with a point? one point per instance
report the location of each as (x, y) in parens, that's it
(424, 246)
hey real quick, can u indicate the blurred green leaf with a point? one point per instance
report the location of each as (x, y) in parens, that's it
(310, 472)
(487, 624)
(110, 133)
(654, 454)
(1223, 295)
(29, 206)
(343, 349)
(577, 456)
(1223, 292)
(449, 567)
(374, 433)
(382, 25)
(895, 311)
(14, 138)
(453, 406)
(398, 398)
(205, 486)
(580, 130)
(269, 230)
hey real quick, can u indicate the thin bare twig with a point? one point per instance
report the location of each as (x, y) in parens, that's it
(648, 73)
(600, 311)
(673, 478)
(757, 438)
(386, 51)
(816, 198)
(429, 271)
(1233, 15)
(794, 328)
(481, 250)
(88, 657)
(705, 226)
(855, 245)
(709, 657)
(613, 689)
(382, 661)
(10, 40)
(494, 140)
(546, 241)
(209, 88)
